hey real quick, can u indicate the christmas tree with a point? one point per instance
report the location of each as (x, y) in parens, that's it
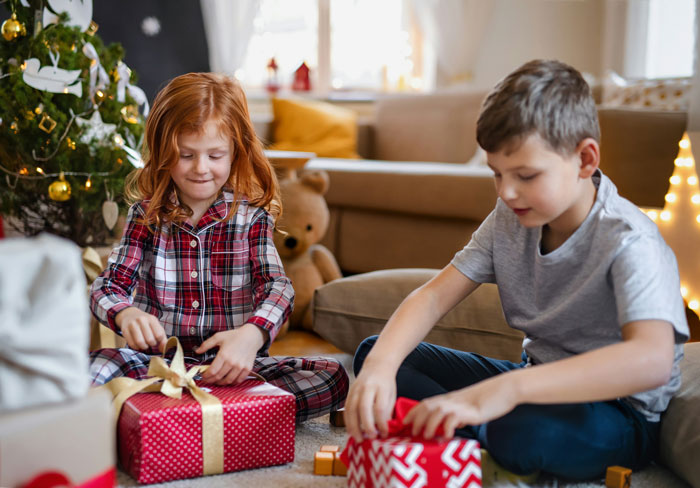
(71, 122)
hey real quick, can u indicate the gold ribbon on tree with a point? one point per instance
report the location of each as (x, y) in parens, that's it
(174, 378)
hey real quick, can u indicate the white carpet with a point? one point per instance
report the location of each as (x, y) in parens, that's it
(317, 432)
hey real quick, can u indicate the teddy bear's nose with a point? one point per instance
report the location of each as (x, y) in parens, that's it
(290, 242)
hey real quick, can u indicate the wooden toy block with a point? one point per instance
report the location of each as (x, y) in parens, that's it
(618, 477)
(330, 448)
(338, 418)
(323, 463)
(339, 468)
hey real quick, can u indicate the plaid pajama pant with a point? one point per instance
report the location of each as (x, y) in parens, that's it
(319, 384)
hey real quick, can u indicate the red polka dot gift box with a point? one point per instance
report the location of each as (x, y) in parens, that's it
(160, 438)
(400, 460)
(187, 428)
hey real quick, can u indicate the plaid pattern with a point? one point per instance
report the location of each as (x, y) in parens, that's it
(320, 385)
(198, 280)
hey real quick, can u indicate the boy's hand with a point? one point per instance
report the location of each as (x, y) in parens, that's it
(236, 357)
(370, 404)
(474, 405)
(140, 329)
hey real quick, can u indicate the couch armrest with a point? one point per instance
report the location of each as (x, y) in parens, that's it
(637, 151)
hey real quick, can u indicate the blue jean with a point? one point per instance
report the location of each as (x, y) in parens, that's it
(575, 441)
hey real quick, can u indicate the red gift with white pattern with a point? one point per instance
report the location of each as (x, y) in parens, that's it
(160, 438)
(411, 462)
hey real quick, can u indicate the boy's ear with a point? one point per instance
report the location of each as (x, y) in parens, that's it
(589, 153)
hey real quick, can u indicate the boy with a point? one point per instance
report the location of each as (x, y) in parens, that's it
(580, 270)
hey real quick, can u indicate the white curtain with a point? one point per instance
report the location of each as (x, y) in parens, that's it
(455, 30)
(229, 26)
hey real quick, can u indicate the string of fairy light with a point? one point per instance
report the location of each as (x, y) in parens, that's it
(683, 189)
(128, 113)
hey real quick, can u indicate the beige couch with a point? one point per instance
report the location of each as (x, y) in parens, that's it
(412, 202)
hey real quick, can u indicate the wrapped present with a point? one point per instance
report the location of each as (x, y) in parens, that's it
(166, 435)
(400, 460)
(70, 443)
(44, 318)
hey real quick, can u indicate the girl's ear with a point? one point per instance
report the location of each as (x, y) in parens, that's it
(588, 151)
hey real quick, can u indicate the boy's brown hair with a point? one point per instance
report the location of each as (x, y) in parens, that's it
(543, 97)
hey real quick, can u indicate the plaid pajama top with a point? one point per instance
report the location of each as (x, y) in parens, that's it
(198, 280)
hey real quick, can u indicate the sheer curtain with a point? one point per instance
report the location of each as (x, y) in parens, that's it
(229, 26)
(455, 29)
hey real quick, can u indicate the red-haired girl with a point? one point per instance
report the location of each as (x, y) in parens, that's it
(197, 259)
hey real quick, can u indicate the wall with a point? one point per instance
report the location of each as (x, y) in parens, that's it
(520, 30)
(179, 47)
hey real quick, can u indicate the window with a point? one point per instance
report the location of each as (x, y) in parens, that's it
(350, 45)
(670, 38)
(660, 39)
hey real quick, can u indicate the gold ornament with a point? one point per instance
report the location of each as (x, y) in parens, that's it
(100, 96)
(59, 190)
(29, 115)
(47, 124)
(92, 29)
(130, 113)
(71, 143)
(14, 127)
(39, 109)
(13, 28)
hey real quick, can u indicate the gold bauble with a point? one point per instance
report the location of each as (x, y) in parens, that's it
(130, 113)
(59, 190)
(100, 96)
(13, 28)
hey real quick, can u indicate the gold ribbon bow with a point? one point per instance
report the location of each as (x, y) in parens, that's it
(174, 378)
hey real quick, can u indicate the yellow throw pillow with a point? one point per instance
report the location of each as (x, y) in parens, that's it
(318, 127)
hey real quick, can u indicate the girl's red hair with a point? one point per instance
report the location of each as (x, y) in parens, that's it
(184, 106)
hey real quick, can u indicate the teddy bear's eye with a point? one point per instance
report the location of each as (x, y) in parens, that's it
(308, 227)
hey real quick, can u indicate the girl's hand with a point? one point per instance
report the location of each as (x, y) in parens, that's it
(370, 404)
(140, 329)
(236, 356)
(474, 405)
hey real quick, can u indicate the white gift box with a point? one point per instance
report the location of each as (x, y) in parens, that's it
(44, 322)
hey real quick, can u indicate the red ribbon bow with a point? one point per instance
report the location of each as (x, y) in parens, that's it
(396, 425)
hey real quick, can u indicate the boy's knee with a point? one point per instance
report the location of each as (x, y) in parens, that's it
(362, 352)
(506, 436)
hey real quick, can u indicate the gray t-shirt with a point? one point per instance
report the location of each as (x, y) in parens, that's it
(614, 269)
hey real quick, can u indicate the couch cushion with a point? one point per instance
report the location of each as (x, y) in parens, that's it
(348, 310)
(464, 191)
(680, 425)
(434, 127)
(318, 127)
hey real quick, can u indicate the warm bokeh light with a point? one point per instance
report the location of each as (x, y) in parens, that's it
(676, 222)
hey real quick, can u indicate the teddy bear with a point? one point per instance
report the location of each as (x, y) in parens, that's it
(304, 222)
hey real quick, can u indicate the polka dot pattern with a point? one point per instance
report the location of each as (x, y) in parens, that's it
(661, 94)
(160, 438)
